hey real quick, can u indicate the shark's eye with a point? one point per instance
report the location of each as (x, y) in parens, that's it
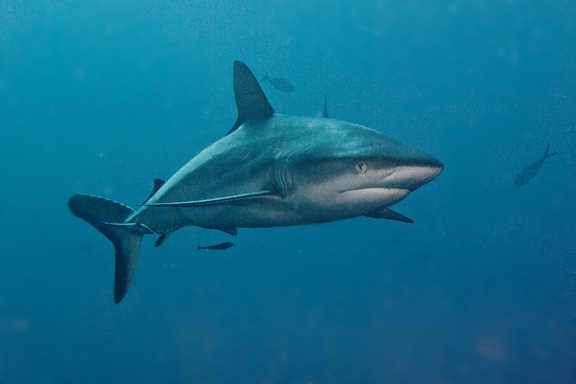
(361, 167)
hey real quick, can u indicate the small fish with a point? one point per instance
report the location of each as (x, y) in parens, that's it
(530, 171)
(279, 83)
(325, 114)
(217, 247)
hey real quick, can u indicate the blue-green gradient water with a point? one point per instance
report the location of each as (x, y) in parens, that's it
(102, 97)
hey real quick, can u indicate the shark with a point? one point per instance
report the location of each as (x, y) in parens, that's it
(269, 170)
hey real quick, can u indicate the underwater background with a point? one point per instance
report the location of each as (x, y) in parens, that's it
(102, 97)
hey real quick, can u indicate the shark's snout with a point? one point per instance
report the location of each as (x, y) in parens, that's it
(413, 176)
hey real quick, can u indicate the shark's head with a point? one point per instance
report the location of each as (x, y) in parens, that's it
(353, 170)
(325, 169)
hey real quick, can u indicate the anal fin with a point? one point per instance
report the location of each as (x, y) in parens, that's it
(163, 237)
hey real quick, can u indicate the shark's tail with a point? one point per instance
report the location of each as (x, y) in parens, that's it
(109, 218)
(547, 154)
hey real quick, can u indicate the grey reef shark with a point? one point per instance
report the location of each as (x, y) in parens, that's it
(270, 170)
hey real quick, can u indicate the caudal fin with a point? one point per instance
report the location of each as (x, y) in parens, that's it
(547, 154)
(108, 217)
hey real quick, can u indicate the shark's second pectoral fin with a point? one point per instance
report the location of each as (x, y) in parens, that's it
(387, 213)
(226, 200)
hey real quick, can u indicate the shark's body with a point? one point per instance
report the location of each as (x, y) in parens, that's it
(248, 161)
(270, 170)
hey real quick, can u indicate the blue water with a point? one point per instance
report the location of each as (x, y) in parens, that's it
(102, 97)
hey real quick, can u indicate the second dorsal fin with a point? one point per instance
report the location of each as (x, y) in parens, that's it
(157, 184)
(251, 102)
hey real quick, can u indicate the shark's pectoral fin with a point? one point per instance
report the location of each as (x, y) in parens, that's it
(387, 213)
(251, 102)
(227, 200)
(157, 184)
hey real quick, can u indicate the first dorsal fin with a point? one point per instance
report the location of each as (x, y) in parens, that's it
(251, 102)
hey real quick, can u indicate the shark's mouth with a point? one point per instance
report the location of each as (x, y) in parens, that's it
(380, 196)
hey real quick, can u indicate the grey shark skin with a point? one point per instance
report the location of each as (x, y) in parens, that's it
(270, 170)
(530, 171)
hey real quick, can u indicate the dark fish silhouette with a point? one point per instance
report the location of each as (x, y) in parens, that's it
(217, 247)
(279, 83)
(325, 114)
(530, 171)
